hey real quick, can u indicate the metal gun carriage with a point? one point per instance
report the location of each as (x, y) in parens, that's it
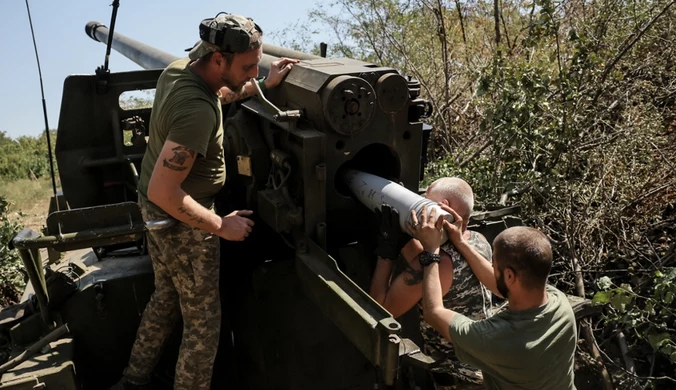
(295, 311)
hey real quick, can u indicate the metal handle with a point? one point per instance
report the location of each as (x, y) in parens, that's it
(279, 115)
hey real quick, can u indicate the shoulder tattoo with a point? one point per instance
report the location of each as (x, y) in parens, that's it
(412, 276)
(181, 154)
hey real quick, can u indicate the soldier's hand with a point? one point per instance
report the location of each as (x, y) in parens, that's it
(278, 70)
(429, 229)
(236, 226)
(454, 230)
(390, 236)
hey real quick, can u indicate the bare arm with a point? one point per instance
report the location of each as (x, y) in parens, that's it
(429, 232)
(278, 70)
(380, 282)
(402, 294)
(479, 265)
(229, 96)
(164, 188)
(434, 311)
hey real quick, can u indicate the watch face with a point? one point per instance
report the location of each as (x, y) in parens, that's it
(427, 258)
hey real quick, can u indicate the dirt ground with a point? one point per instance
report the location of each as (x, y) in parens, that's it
(29, 201)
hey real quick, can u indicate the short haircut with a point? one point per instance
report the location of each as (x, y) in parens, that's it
(454, 188)
(527, 252)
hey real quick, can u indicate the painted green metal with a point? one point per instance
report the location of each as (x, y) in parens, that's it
(295, 309)
(363, 321)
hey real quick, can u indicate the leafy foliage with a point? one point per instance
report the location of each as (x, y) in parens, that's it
(11, 276)
(26, 157)
(137, 99)
(648, 317)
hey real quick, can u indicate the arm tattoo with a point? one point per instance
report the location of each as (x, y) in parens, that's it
(416, 276)
(231, 96)
(181, 154)
(173, 167)
(193, 217)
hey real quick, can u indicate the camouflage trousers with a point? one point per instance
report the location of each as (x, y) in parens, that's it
(460, 386)
(450, 374)
(453, 375)
(186, 266)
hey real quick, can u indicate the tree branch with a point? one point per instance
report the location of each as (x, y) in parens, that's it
(652, 192)
(496, 16)
(652, 378)
(626, 48)
(462, 28)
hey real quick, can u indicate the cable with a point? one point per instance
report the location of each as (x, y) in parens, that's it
(44, 110)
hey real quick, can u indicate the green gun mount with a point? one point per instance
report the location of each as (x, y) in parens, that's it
(295, 311)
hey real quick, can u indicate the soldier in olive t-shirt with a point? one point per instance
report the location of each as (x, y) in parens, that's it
(531, 345)
(185, 105)
(534, 348)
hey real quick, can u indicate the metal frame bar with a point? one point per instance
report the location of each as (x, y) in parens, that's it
(363, 321)
(28, 243)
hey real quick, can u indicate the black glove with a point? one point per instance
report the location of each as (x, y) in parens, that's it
(390, 237)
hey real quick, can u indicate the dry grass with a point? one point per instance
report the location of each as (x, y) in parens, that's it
(29, 201)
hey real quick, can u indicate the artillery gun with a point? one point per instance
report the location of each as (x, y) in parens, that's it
(295, 311)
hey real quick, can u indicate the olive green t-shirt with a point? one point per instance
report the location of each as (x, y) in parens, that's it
(187, 112)
(528, 350)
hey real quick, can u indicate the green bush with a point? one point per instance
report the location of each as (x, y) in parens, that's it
(11, 268)
(26, 157)
(570, 108)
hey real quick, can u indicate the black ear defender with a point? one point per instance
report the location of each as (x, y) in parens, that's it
(227, 34)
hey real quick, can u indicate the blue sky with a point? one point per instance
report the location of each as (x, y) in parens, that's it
(64, 48)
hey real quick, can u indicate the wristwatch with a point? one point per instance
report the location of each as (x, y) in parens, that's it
(427, 258)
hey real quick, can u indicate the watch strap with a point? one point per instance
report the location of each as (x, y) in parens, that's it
(427, 258)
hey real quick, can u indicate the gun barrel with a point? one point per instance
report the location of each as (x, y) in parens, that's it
(145, 56)
(277, 51)
(149, 57)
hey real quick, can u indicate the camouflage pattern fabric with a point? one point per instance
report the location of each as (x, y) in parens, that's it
(460, 386)
(186, 265)
(223, 23)
(466, 296)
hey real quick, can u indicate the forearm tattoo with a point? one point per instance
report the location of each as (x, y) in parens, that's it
(181, 154)
(193, 217)
(232, 96)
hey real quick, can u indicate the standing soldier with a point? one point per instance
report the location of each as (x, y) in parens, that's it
(182, 170)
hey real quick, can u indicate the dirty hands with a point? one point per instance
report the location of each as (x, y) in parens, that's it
(235, 226)
(278, 71)
(390, 237)
(428, 230)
